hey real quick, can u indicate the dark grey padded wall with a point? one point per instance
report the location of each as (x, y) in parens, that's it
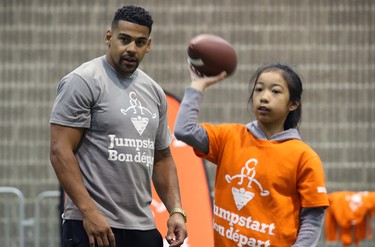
(330, 43)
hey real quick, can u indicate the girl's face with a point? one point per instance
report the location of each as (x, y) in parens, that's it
(271, 103)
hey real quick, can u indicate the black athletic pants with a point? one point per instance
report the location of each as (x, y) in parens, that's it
(74, 235)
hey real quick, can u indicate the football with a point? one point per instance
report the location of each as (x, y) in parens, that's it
(210, 54)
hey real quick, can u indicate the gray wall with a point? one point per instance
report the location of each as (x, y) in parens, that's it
(330, 43)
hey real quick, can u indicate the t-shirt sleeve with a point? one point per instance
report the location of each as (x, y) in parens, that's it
(216, 138)
(72, 106)
(311, 183)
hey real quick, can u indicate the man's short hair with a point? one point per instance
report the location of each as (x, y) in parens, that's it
(134, 14)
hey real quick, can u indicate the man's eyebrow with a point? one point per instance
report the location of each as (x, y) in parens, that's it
(134, 38)
(124, 34)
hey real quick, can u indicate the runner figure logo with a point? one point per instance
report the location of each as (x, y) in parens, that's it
(140, 119)
(240, 195)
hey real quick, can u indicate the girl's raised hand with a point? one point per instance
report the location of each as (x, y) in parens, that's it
(201, 82)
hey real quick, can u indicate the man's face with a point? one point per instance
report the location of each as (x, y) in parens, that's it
(127, 45)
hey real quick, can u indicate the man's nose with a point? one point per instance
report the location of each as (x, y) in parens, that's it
(132, 46)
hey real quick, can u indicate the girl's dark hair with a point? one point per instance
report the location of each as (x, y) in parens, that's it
(134, 14)
(294, 86)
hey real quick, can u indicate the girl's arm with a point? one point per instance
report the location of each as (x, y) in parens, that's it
(311, 226)
(186, 128)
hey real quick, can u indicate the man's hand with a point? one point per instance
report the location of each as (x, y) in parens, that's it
(176, 230)
(99, 231)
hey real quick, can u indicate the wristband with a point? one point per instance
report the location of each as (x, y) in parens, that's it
(180, 211)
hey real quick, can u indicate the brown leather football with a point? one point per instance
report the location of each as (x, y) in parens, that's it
(210, 54)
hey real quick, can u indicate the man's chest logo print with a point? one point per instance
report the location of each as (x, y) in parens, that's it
(139, 115)
(243, 195)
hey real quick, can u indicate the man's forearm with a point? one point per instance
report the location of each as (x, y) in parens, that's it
(165, 180)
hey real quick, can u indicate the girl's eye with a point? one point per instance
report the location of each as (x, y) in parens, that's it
(276, 91)
(258, 89)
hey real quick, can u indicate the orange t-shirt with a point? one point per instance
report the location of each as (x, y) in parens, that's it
(261, 186)
(348, 218)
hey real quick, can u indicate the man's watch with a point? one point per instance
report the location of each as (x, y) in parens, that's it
(180, 211)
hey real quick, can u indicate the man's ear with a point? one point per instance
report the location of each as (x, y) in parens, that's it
(108, 37)
(149, 45)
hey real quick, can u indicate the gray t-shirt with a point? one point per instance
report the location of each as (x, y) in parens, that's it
(125, 120)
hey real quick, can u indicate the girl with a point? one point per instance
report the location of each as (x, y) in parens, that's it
(269, 186)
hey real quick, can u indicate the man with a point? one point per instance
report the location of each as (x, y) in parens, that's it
(109, 138)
